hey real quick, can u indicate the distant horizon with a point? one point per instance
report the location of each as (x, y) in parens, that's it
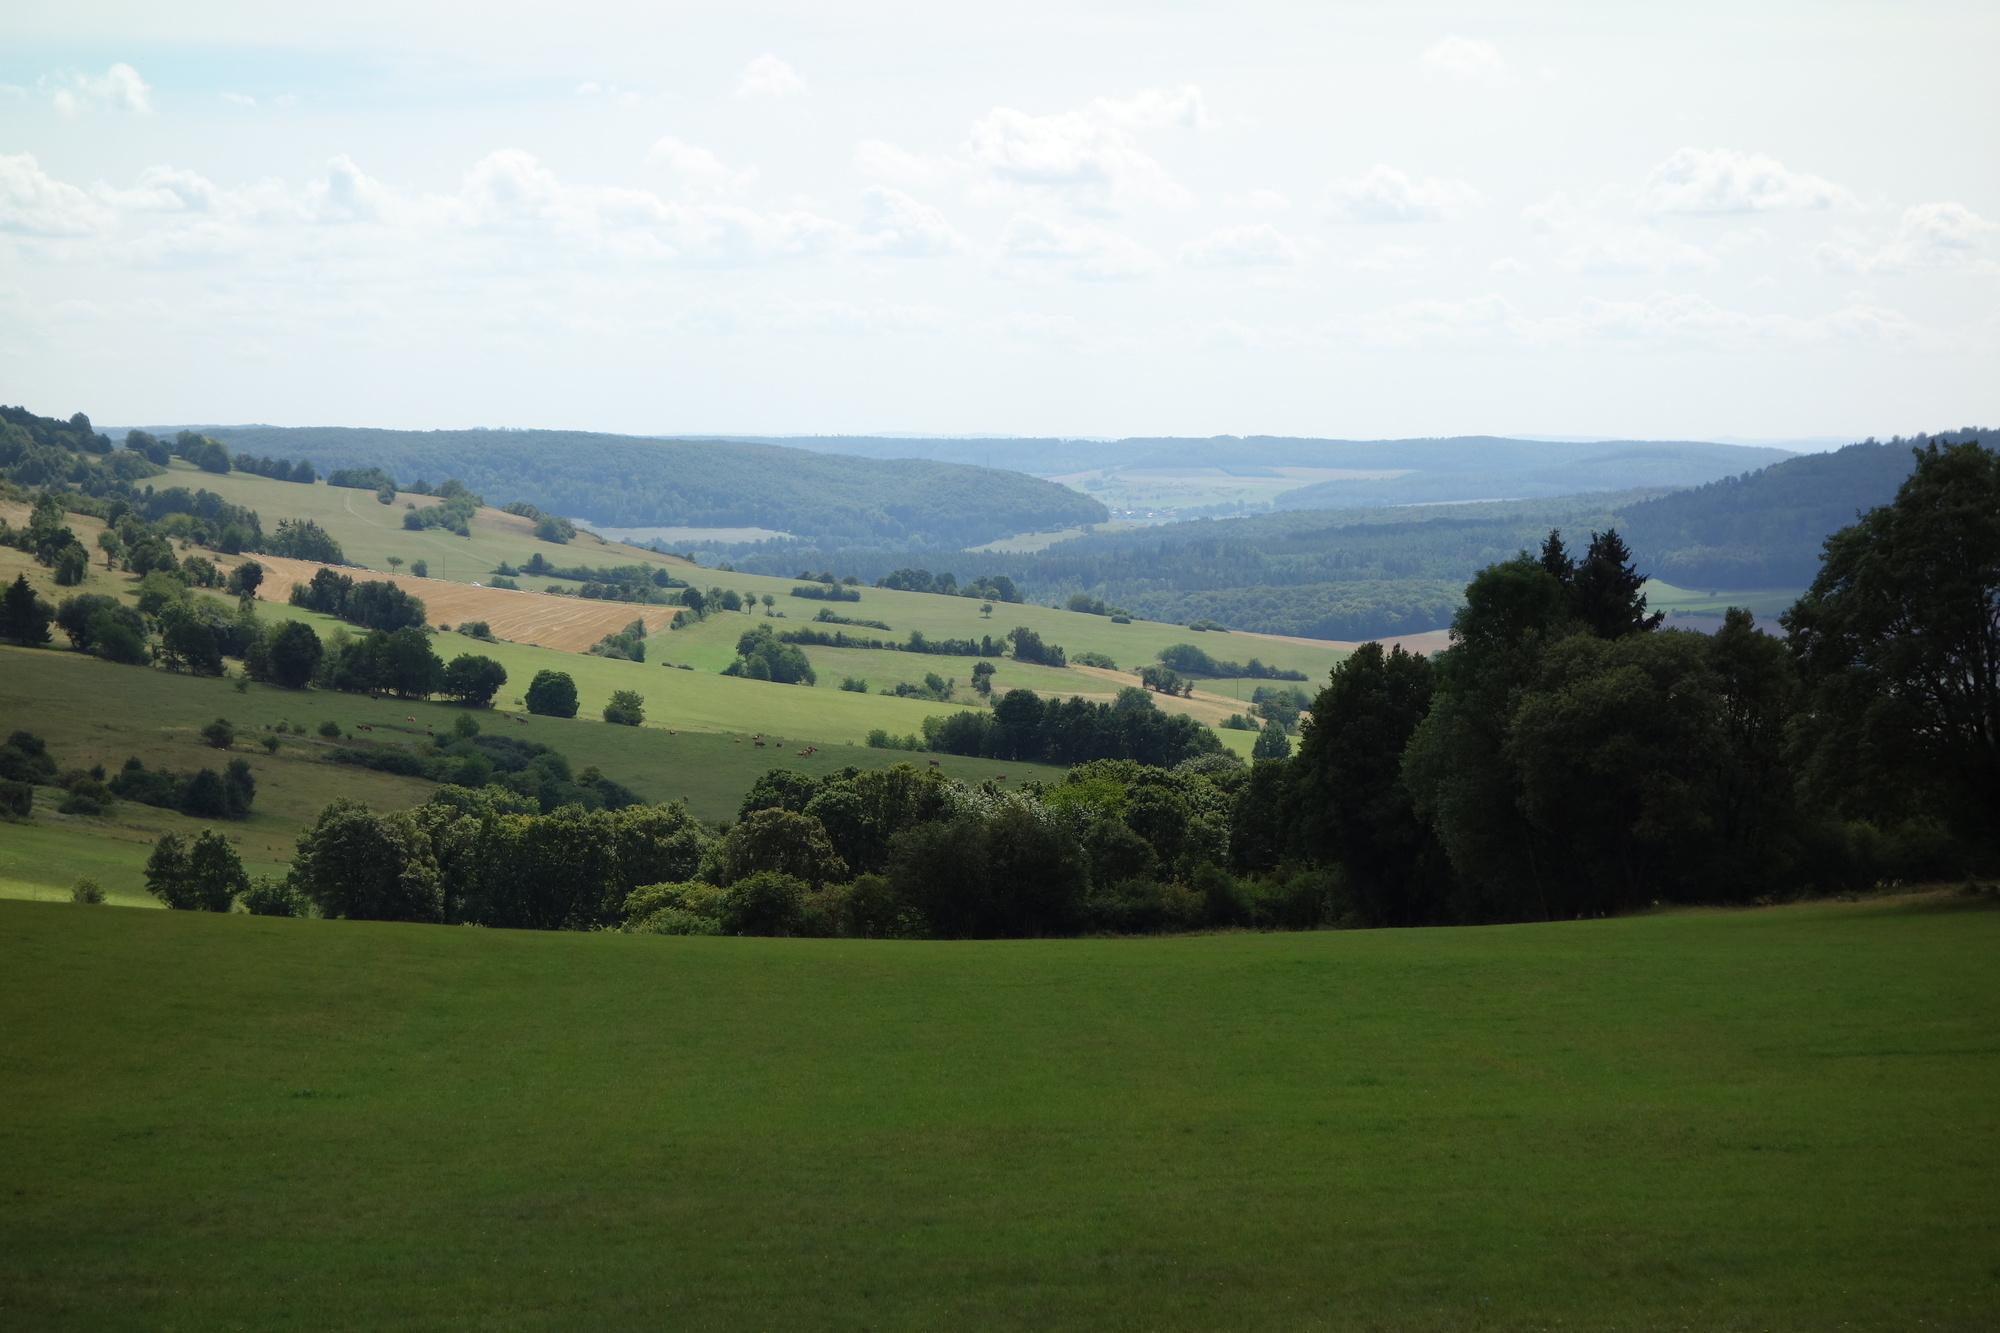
(1794, 444)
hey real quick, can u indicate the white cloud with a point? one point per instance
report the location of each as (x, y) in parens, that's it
(892, 223)
(1393, 259)
(1467, 59)
(1154, 109)
(1719, 180)
(1088, 158)
(239, 99)
(887, 161)
(768, 76)
(1252, 245)
(1939, 235)
(1262, 201)
(33, 203)
(117, 89)
(167, 190)
(1590, 243)
(1388, 195)
(1507, 264)
(511, 213)
(1081, 252)
(1662, 319)
(697, 170)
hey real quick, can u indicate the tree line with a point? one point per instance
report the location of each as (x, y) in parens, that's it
(1566, 757)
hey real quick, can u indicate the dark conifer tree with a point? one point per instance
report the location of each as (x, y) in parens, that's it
(1605, 591)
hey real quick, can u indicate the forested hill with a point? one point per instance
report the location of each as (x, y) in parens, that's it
(1352, 574)
(1462, 467)
(627, 481)
(1763, 529)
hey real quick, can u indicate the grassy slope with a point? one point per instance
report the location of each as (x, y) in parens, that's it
(371, 532)
(92, 712)
(1771, 1120)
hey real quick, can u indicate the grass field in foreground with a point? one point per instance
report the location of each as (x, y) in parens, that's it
(1764, 1120)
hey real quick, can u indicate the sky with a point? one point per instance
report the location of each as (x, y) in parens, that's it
(1688, 220)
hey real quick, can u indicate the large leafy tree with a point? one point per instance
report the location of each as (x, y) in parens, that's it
(1899, 640)
(1348, 802)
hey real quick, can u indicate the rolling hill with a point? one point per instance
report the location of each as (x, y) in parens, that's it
(628, 481)
(1764, 529)
(1270, 468)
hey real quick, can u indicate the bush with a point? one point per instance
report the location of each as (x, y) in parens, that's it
(220, 734)
(330, 729)
(627, 708)
(17, 799)
(854, 685)
(268, 898)
(765, 903)
(552, 694)
(87, 890)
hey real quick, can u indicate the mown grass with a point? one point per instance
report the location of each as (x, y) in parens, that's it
(1769, 1120)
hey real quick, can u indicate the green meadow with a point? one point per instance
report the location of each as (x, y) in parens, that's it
(1777, 1119)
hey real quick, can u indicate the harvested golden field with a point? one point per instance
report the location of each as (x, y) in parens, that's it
(568, 623)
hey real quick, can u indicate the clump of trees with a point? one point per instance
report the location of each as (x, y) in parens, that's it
(277, 469)
(1023, 726)
(376, 603)
(204, 793)
(628, 644)
(762, 655)
(454, 515)
(1189, 660)
(998, 588)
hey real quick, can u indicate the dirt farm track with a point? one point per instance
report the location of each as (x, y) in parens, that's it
(569, 623)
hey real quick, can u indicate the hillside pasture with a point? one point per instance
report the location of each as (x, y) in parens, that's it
(568, 624)
(94, 712)
(1774, 1120)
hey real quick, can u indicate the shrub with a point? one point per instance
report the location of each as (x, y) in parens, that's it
(627, 708)
(854, 685)
(87, 890)
(765, 903)
(268, 898)
(220, 734)
(330, 729)
(552, 694)
(17, 799)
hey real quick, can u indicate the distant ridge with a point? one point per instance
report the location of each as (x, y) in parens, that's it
(637, 481)
(1443, 470)
(1764, 529)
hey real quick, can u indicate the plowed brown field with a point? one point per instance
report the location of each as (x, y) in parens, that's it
(568, 623)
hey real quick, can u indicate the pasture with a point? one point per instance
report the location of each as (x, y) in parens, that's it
(370, 532)
(1776, 1120)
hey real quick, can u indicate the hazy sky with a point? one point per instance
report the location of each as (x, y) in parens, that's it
(1686, 219)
